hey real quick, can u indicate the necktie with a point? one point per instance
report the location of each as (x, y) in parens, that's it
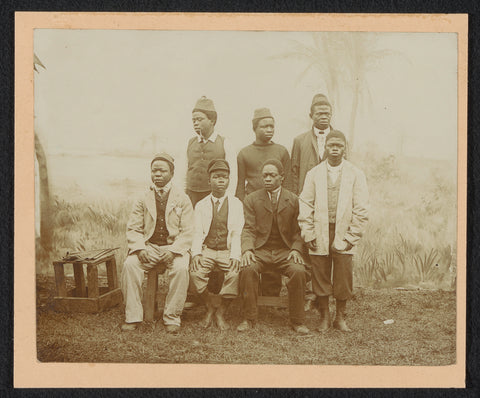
(274, 201)
(217, 204)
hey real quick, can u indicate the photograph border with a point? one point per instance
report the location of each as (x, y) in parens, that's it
(29, 372)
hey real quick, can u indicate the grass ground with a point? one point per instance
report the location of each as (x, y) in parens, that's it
(423, 333)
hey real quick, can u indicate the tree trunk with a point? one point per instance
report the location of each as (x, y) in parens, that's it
(46, 229)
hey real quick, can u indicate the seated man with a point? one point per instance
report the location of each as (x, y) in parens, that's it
(159, 234)
(271, 242)
(218, 226)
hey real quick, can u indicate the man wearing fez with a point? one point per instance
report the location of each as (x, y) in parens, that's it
(205, 147)
(308, 148)
(333, 216)
(159, 234)
(250, 161)
(216, 243)
(271, 242)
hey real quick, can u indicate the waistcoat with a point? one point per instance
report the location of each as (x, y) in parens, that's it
(160, 234)
(217, 235)
(275, 240)
(199, 156)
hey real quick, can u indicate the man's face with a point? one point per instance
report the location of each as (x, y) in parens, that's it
(334, 149)
(219, 180)
(161, 173)
(265, 129)
(272, 179)
(202, 124)
(321, 115)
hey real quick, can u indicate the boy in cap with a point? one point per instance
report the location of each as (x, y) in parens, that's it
(159, 234)
(333, 216)
(250, 161)
(308, 148)
(205, 147)
(216, 243)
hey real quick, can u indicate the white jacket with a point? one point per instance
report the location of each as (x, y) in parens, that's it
(203, 220)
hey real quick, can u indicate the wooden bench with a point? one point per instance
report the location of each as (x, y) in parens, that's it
(87, 297)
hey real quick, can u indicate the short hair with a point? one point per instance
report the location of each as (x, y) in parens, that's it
(211, 115)
(336, 134)
(319, 103)
(276, 163)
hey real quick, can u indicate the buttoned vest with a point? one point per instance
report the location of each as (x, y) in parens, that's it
(160, 234)
(218, 233)
(274, 240)
(333, 190)
(199, 156)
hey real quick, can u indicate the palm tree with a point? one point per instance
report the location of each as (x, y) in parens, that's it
(343, 60)
(45, 203)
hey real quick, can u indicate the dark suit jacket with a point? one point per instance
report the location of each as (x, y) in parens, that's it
(259, 216)
(305, 157)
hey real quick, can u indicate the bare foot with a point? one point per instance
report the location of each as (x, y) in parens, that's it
(207, 321)
(221, 323)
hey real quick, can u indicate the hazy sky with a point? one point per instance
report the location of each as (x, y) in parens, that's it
(112, 89)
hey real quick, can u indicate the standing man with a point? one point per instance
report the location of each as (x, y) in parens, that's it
(271, 242)
(308, 148)
(250, 159)
(159, 234)
(205, 147)
(333, 216)
(216, 243)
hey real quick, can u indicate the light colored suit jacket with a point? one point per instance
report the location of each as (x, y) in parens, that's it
(305, 156)
(203, 220)
(352, 208)
(178, 219)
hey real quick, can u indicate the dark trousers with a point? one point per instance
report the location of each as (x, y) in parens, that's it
(274, 260)
(342, 284)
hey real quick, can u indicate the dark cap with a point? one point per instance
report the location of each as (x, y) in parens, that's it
(218, 164)
(261, 113)
(336, 134)
(163, 156)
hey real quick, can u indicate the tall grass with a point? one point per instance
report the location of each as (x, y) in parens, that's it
(410, 238)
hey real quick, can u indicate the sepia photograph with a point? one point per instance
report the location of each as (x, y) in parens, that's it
(246, 197)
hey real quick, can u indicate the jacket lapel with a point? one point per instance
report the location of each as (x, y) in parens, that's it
(266, 201)
(343, 196)
(314, 142)
(282, 201)
(172, 199)
(323, 203)
(150, 203)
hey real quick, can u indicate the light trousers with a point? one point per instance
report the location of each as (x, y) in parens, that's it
(133, 274)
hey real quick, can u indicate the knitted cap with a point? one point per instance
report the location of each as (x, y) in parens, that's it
(163, 156)
(261, 113)
(204, 104)
(320, 99)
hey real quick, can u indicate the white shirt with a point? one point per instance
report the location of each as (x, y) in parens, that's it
(212, 137)
(215, 199)
(334, 171)
(165, 188)
(276, 192)
(321, 139)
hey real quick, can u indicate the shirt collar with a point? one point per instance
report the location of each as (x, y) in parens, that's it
(212, 137)
(317, 131)
(222, 199)
(335, 168)
(165, 188)
(276, 192)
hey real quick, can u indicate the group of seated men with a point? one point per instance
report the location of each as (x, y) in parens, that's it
(301, 237)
